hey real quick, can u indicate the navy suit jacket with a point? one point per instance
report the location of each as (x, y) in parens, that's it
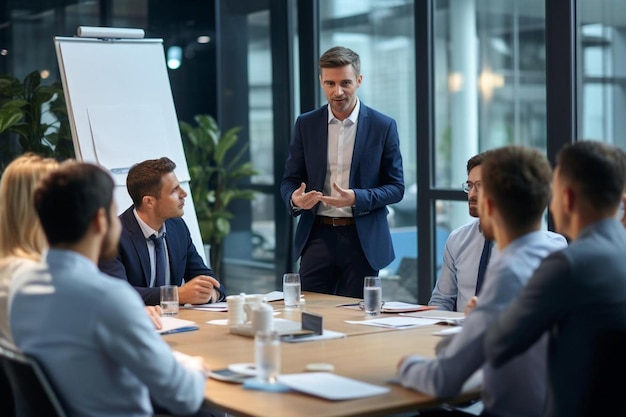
(376, 176)
(133, 261)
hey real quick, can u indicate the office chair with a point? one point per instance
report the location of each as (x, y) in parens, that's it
(7, 407)
(407, 270)
(32, 393)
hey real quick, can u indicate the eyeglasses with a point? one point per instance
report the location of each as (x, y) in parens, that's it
(467, 186)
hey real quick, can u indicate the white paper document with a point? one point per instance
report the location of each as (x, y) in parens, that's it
(396, 322)
(453, 318)
(174, 325)
(402, 307)
(326, 335)
(221, 306)
(330, 386)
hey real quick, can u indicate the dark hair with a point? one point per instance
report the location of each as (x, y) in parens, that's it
(476, 160)
(339, 56)
(598, 168)
(145, 177)
(68, 199)
(518, 180)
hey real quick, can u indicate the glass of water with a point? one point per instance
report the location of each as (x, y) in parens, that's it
(372, 295)
(291, 289)
(169, 300)
(267, 355)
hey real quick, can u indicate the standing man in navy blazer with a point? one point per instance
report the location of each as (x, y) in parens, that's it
(344, 167)
(158, 201)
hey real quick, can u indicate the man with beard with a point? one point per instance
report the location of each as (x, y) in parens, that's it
(465, 247)
(87, 330)
(514, 194)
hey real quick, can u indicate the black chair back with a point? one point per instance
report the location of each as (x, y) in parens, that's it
(7, 407)
(32, 393)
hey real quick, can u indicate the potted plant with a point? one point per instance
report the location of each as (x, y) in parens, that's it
(33, 118)
(216, 175)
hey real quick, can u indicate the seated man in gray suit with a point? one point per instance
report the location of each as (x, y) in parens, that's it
(577, 295)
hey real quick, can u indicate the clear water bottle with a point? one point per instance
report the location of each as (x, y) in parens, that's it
(267, 355)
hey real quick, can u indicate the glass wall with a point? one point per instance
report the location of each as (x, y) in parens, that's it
(601, 82)
(489, 60)
(261, 133)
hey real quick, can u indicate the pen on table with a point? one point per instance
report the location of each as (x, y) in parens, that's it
(348, 305)
(180, 330)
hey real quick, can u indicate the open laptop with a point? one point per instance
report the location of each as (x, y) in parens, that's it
(311, 324)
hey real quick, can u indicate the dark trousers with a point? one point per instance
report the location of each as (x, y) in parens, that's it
(333, 261)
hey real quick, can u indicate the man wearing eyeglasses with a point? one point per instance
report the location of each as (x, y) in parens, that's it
(457, 283)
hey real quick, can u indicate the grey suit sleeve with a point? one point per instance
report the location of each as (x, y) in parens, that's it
(531, 314)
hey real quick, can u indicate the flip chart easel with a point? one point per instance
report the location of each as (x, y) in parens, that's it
(121, 108)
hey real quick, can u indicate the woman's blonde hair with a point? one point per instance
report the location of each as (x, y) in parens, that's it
(21, 234)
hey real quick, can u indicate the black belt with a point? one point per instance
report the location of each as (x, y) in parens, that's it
(335, 221)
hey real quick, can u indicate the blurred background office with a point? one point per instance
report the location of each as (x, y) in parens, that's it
(459, 77)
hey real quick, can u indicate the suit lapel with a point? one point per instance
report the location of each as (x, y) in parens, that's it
(139, 243)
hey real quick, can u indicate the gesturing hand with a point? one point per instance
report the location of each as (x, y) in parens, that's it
(305, 200)
(346, 198)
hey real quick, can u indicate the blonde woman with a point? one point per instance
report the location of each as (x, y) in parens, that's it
(21, 238)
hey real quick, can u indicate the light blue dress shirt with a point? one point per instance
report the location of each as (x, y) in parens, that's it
(457, 280)
(93, 338)
(517, 388)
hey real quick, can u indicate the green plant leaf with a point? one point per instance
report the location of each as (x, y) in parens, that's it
(215, 174)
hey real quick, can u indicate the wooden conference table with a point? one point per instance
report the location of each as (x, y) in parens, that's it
(369, 354)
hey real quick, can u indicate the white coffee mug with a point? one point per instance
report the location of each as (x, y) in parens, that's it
(236, 313)
(261, 315)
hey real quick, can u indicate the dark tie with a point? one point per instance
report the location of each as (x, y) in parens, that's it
(482, 265)
(159, 260)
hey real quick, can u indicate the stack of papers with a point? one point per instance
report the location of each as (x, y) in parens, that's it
(174, 325)
(391, 307)
(400, 307)
(443, 317)
(330, 386)
(326, 335)
(223, 306)
(395, 322)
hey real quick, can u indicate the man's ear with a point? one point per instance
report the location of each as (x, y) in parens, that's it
(569, 199)
(100, 221)
(489, 205)
(148, 201)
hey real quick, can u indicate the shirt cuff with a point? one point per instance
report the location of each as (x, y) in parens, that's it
(293, 206)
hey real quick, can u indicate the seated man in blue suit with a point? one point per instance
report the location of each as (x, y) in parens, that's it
(344, 167)
(158, 201)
